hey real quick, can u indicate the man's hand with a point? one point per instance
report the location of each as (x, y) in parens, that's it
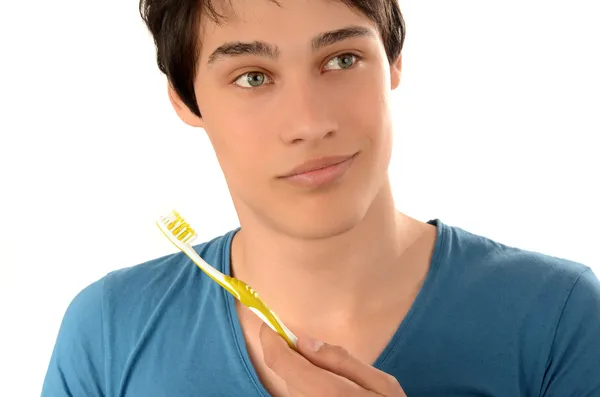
(324, 370)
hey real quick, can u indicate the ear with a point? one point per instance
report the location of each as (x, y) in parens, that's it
(184, 113)
(396, 72)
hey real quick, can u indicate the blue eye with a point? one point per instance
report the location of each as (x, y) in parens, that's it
(252, 80)
(344, 61)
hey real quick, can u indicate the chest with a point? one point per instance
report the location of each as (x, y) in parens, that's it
(428, 361)
(351, 336)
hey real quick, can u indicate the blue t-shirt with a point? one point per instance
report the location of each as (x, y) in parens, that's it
(490, 320)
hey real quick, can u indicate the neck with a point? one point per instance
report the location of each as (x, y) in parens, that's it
(338, 277)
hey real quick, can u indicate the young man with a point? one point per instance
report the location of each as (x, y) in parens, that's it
(294, 96)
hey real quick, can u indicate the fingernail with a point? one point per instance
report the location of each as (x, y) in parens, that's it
(315, 345)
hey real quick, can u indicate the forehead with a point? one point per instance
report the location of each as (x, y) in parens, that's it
(288, 22)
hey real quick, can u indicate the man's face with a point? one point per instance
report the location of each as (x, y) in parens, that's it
(277, 87)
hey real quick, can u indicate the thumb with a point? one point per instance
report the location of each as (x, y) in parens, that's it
(330, 357)
(309, 345)
(338, 360)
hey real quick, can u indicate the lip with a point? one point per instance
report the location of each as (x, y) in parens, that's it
(319, 172)
(317, 164)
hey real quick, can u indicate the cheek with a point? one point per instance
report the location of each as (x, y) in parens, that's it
(363, 108)
(238, 122)
(238, 142)
(365, 116)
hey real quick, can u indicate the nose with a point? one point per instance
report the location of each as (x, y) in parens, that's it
(307, 114)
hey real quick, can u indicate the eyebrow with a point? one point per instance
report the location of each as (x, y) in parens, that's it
(238, 48)
(263, 49)
(328, 38)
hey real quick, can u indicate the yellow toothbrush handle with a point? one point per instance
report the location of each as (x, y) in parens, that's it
(252, 300)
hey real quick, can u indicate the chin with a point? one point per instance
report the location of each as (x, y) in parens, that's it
(322, 228)
(317, 221)
(328, 213)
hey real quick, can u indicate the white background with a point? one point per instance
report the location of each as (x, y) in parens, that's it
(496, 127)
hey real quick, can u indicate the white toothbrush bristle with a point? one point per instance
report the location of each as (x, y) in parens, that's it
(177, 226)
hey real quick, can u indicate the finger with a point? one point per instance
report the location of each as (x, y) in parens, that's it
(352, 391)
(301, 375)
(294, 392)
(339, 361)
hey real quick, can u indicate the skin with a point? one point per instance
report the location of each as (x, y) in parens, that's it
(324, 370)
(350, 264)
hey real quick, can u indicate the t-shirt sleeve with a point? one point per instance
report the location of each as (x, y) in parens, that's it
(574, 364)
(76, 366)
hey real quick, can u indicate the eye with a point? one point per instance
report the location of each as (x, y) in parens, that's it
(252, 80)
(344, 61)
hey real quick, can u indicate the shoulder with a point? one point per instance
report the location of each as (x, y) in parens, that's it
(132, 293)
(542, 309)
(107, 318)
(483, 257)
(508, 282)
(155, 277)
(531, 290)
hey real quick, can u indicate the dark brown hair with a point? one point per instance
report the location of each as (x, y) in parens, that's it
(174, 25)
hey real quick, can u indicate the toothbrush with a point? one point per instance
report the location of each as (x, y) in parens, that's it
(181, 234)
